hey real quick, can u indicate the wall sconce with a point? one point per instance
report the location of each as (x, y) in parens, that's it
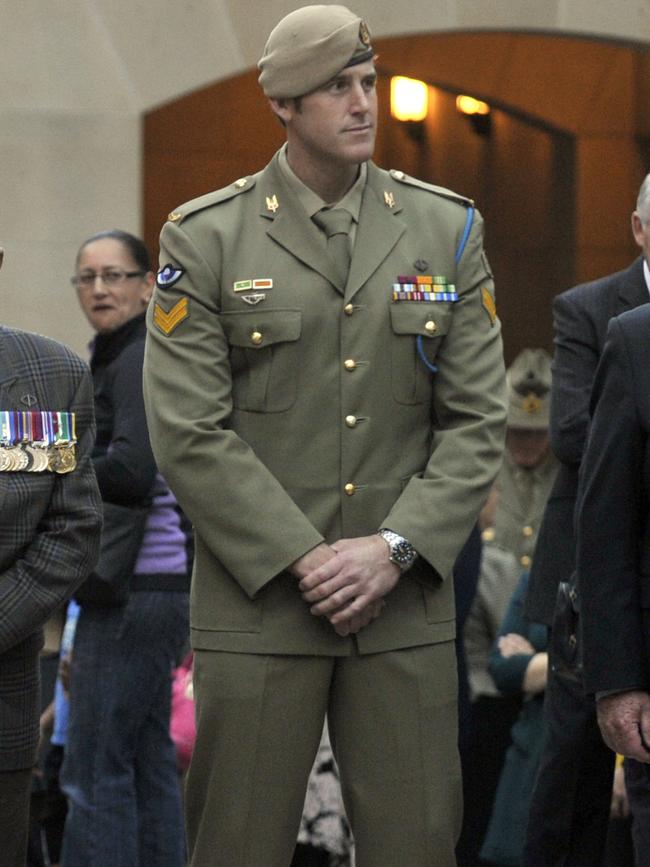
(409, 103)
(409, 98)
(478, 113)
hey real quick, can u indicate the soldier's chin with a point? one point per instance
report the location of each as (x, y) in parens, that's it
(361, 150)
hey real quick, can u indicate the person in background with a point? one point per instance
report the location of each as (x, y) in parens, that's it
(510, 521)
(518, 497)
(612, 569)
(571, 801)
(119, 771)
(50, 518)
(519, 666)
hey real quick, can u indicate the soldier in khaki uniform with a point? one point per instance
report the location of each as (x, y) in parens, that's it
(298, 405)
(517, 501)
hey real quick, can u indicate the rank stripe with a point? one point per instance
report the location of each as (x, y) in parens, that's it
(167, 322)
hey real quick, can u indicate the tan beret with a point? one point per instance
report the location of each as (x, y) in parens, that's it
(309, 47)
(529, 390)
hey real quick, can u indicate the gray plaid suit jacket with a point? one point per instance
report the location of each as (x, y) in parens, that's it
(49, 529)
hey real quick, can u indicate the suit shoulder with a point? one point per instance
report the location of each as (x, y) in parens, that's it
(595, 291)
(636, 320)
(211, 200)
(443, 192)
(29, 345)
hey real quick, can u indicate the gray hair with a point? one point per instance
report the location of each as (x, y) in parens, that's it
(643, 200)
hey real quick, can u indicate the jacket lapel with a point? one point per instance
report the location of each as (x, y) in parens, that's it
(7, 377)
(378, 231)
(16, 392)
(290, 226)
(633, 291)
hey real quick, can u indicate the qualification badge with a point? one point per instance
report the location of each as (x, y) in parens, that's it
(168, 276)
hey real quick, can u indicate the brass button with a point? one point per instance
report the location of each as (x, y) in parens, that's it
(351, 420)
(397, 174)
(349, 489)
(256, 338)
(174, 217)
(241, 182)
(488, 534)
(431, 326)
(349, 364)
(526, 561)
(528, 532)
(349, 309)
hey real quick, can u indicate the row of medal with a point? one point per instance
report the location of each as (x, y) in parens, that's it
(424, 287)
(37, 441)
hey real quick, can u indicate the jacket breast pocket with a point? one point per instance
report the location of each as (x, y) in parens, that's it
(263, 358)
(413, 323)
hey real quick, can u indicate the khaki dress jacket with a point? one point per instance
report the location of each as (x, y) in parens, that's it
(286, 409)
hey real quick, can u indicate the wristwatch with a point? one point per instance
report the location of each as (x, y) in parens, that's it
(401, 552)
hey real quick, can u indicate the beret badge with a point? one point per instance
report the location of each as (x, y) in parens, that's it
(364, 33)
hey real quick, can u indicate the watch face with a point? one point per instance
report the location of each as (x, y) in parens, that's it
(402, 553)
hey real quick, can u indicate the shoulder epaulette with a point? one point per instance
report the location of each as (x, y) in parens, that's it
(403, 178)
(241, 185)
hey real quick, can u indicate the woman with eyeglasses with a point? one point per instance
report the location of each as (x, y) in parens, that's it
(119, 771)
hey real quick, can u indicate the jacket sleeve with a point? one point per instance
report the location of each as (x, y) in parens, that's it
(65, 544)
(574, 367)
(436, 512)
(612, 508)
(219, 481)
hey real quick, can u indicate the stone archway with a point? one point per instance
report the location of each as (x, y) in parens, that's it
(562, 109)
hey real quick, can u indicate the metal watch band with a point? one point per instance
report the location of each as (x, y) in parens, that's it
(401, 552)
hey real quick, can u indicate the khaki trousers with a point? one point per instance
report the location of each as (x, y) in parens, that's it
(393, 726)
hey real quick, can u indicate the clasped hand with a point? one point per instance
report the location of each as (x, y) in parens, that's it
(347, 581)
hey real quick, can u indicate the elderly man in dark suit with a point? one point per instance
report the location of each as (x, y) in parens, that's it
(50, 518)
(613, 552)
(571, 802)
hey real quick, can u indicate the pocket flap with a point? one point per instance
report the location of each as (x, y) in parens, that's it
(255, 329)
(430, 319)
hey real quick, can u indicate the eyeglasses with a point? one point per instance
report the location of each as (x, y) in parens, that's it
(109, 278)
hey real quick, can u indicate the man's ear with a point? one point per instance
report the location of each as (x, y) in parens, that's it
(637, 229)
(282, 108)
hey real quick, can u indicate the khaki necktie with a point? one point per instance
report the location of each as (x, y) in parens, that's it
(336, 223)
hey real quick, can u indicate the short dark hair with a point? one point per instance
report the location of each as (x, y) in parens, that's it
(134, 245)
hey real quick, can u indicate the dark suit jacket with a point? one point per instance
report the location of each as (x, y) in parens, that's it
(581, 316)
(613, 545)
(49, 529)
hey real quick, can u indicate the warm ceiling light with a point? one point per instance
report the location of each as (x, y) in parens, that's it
(469, 105)
(409, 98)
